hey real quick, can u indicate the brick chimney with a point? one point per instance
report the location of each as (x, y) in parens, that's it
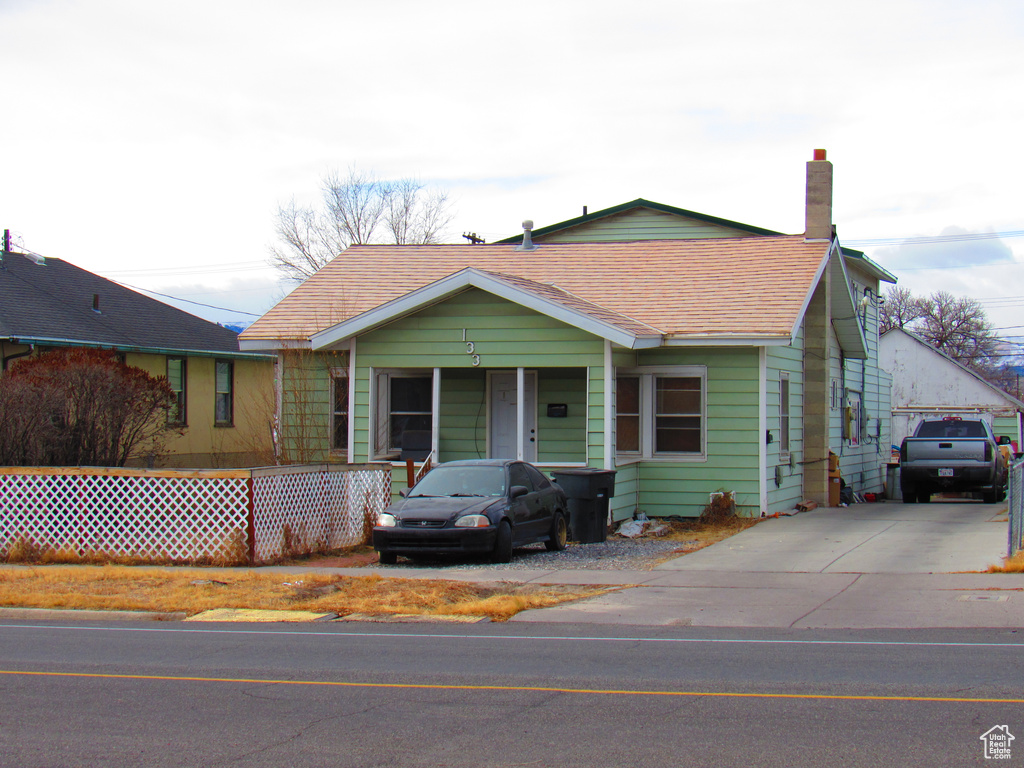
(818, 216)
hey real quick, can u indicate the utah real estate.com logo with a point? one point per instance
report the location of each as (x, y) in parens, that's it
(997, 742)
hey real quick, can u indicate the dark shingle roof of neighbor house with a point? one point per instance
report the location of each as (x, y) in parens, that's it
(50, 301)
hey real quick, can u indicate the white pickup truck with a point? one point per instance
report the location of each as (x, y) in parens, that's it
(953, 454)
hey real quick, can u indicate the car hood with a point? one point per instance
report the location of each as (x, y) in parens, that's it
(441, 507)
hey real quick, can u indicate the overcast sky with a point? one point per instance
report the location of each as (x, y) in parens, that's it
(152, 143)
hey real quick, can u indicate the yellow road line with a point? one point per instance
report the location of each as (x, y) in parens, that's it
(514, 688)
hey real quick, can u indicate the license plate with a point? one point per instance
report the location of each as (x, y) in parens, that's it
(945, 473)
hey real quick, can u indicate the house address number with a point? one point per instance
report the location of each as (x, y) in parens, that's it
(471, 349)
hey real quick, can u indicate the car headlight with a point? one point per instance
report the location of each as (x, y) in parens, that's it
(472, 521)
(386, 520)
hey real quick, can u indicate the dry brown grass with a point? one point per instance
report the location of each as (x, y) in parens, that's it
(701, 532)
(113, 587)
(1013, 564)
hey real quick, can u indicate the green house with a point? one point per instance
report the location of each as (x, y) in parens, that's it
(692, 355)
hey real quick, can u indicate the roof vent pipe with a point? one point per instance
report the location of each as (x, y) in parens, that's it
(527, 237)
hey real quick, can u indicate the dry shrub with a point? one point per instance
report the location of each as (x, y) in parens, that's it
(1013, 564)
(23, 550)
(234, 550)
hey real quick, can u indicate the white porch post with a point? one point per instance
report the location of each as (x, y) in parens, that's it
(435, 415)
(609, 402)
(762, 427)
(520, 413)
(350, 454)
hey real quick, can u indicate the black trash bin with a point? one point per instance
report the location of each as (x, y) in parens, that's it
(588, 491)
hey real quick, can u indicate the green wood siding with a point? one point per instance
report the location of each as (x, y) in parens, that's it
(683, 488)
(863, 466)
(641, 224)
(306, 404)
(784, 475)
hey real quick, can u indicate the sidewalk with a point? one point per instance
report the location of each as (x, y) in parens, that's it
(868, 566)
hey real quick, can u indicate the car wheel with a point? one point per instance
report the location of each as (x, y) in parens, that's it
(388, 558)
(989, 497)
(923, 497)
(503, 544)
(909, 494)
(559, 534)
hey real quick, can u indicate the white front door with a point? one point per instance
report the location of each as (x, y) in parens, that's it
(502, 443)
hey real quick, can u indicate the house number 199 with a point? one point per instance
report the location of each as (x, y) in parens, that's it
(471, 349)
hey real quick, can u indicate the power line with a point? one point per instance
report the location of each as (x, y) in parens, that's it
(936, 239)
(187, 301)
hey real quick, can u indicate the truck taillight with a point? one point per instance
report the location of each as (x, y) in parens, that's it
(988, 451)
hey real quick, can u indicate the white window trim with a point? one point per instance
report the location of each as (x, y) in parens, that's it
(335, 374)
(785, 424)
(381, 410)
(648, 374)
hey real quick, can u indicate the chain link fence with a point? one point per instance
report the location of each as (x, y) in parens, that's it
(1016, 505)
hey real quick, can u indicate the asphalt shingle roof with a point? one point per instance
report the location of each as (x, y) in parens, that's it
(54, 301)
(681, 288)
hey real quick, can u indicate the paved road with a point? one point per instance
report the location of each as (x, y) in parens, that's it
(501, 695)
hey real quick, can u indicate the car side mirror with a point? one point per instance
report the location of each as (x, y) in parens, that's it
(1005, 440)
(517, 490)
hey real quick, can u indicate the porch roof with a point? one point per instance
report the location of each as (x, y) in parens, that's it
(733, 290)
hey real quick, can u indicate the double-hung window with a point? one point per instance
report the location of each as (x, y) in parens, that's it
(339, 410)
(177, 378)
(784, 416)
(661, 412)
(404, 410)
(224, 396)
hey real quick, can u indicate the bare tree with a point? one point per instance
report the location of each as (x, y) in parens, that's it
(958, 326)
(955, 325)
(356, 209)
(899, 309)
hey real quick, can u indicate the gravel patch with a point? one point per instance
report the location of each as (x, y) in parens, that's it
(616, 554)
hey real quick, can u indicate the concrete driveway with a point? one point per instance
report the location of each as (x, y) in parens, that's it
(884, 565)
(887, 537)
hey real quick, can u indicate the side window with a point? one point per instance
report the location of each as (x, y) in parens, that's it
(627, 414)
(784, 418)
(539, 481)
(224, 398)
(177, 378)
(517, 475)
(661, 412)
(339, 411)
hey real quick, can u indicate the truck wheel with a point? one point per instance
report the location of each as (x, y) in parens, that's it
(989, 497)
(923, 497)
(388, 558)
(909, 494)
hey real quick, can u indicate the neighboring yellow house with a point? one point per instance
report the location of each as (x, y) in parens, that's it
(226, 398)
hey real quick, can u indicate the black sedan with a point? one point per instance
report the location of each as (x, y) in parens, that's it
(476, 507)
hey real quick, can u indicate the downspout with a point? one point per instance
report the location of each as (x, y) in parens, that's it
(16, 355)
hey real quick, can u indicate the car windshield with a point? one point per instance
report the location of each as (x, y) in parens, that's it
(462, 481)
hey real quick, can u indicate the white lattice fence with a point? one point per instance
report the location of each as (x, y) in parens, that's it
(188, 515)
(304, 509)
